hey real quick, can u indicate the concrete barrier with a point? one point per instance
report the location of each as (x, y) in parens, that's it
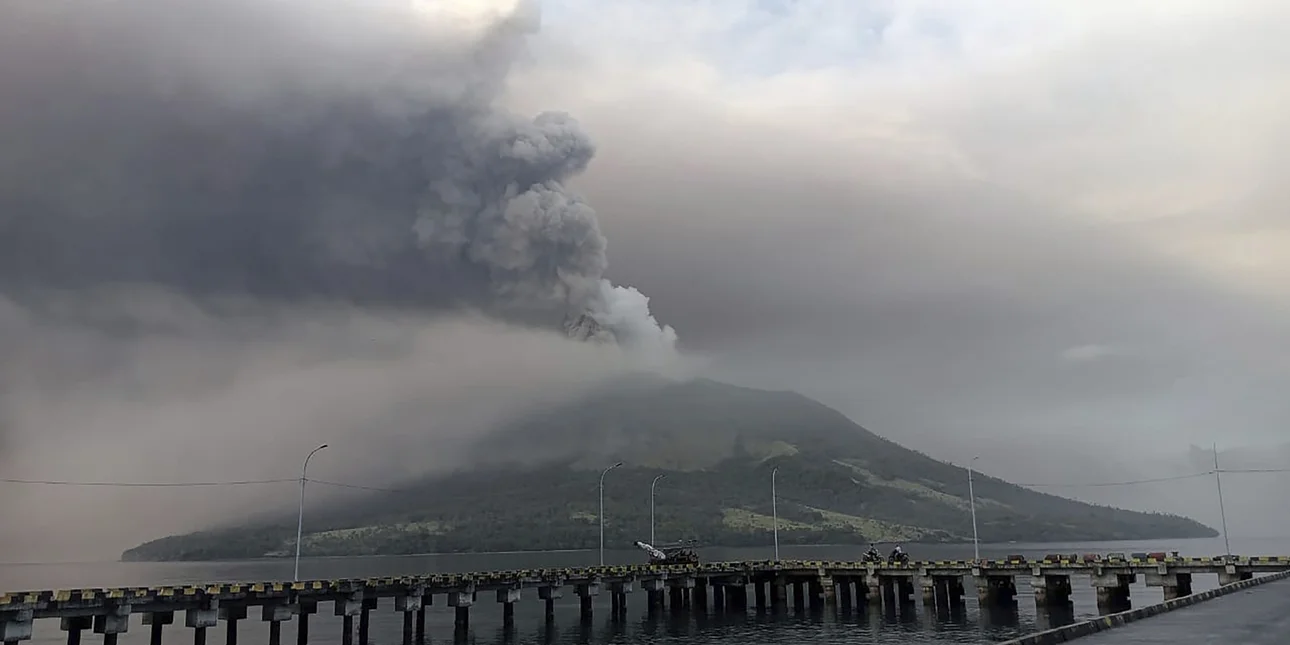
(1111, 621)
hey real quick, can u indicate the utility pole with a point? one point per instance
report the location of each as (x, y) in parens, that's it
(774, 511)
(1222, 512)
(300, 517)
(651, 507)
(976, 545)
(602, 511)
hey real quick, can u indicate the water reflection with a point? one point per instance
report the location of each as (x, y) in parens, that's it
(1055, 615)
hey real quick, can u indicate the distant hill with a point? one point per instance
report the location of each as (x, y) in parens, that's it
(534, 486)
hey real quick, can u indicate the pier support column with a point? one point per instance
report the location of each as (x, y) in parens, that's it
(778, 593)
(74, 625)
(928, 586)
(347, 609)
(202, 618)
(586, 597)
(1175, 585)
(760, 595)
(508, 598)
(427, 600)
(719, 597)
(549, 594)
(681, 592)
(620, 591)
(231, 614)
(113, 623)
(828, 591)
(816, 592)
(996, 590)
(16, 626)
(365, 620)
(1051, 590)
(845, 598)
(303, 609)
(275, 615)
(409, 605)
(461, 601)
(799, 595)
(654, 594)
(700, 594)
(1112, 589)
(874, 591)
(156, 621)
(1231, 575)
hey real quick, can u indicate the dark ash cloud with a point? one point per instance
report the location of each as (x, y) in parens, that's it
(289, 150)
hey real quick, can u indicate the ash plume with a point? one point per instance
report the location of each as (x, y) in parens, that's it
(355, 150)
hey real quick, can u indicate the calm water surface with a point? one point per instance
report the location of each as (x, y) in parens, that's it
(915, 626)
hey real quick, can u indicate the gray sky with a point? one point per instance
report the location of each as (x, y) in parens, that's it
(1012, 219)
(1025, 225)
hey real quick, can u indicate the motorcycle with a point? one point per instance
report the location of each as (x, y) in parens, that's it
(873, 556)
(898, 558)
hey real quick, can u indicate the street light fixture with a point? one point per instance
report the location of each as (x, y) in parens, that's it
(300, 520)
(774, 511)
(602, 511)
(651, 507)
(976, 546)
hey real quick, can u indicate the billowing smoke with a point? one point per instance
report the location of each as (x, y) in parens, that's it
(342, 149)
(234, 229)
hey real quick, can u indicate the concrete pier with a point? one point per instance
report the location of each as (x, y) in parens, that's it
(814, 584)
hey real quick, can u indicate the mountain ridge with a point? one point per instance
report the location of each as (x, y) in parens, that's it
(533, 484)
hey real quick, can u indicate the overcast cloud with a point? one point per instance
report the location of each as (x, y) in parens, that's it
(1005, 223)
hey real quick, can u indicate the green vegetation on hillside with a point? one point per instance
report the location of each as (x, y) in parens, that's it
(717, 444)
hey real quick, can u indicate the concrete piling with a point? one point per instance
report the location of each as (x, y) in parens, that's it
(231, 614)
(303, 609)
(461, 601)
(549, 594)
(74, 625)
(586, 597)
(778, 593)
(1112, 589)
(156, 621)
(1051, 590)
(202, 618)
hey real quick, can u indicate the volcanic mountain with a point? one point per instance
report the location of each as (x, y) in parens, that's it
(534, 486)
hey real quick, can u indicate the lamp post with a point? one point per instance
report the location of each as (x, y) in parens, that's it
(1218, 481)
(651, 506)
(300, 519)
(976, 545)
(774, 511)
(602, 511)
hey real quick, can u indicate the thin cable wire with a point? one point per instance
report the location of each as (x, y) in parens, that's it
(1122, 483)
(377, 489)
(51, 482)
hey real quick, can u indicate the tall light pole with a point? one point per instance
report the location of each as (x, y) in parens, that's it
(300, 521)
(651, 507)
(976, 545)
(774, 511)
(602, 511)
(1222, 513)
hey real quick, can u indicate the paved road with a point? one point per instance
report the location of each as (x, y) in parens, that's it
(1257, 616)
